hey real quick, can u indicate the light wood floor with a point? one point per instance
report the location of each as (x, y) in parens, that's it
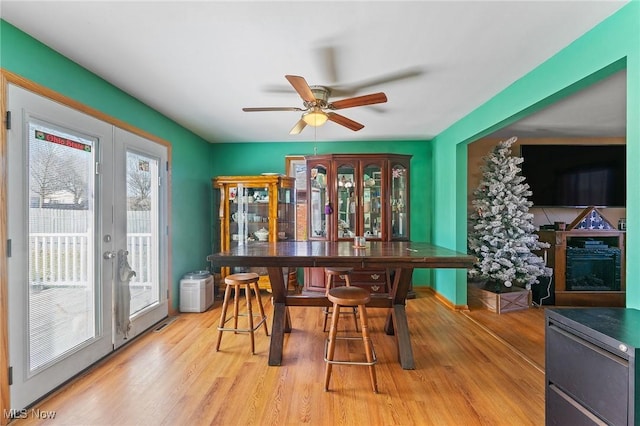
(474, 368)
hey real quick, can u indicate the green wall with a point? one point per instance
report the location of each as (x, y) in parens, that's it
(256, 158)
(610, 46)
(190, 168)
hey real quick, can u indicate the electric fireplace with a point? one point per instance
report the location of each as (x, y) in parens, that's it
(593, 269)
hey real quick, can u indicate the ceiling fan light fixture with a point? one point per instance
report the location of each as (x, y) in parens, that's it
(316, 117)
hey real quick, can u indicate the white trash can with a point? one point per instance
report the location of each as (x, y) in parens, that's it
(196, 291)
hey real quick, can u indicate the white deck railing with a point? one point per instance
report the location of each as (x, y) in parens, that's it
(140, 257)
(62, 259)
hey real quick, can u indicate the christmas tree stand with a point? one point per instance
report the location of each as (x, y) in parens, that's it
(508, 300)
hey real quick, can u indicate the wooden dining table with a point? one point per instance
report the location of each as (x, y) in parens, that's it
(401, 258)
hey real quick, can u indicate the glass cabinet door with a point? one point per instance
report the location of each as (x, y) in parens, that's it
(347, 197)
(238, 226)
(399, 201)
(242, 222)
(249, 210)
(372, 217)
(286, 214)
(319, 202)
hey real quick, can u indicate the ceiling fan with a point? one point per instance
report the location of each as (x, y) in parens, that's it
(317, 108)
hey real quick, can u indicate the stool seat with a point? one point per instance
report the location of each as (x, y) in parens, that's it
(349, 297)
(235, 283)
(337, 271)
(242, 278)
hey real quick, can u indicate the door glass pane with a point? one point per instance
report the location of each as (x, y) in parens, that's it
(142, 230)
(347, 226)
(371, 202)
(398, 201)
(319, 199)
(62, 296)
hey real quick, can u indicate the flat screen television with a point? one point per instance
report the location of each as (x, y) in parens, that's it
(575, 175)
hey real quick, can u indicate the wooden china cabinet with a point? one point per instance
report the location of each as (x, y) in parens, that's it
(251, 209)
(352, 195)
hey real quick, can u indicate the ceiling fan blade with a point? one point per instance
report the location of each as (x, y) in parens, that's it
(375, 98)
(388, 78)
(298, 127)
(344, 121)
(327, 55)
(259, 109)
(301, 86)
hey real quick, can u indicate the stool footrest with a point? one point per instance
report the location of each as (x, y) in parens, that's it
(328, 361)
(243, 330)
(328, 311)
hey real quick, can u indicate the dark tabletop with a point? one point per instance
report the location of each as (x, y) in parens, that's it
(394, 254)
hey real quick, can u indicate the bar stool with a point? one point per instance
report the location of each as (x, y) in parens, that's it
(234, 283)
(349, 296)
(330, 274)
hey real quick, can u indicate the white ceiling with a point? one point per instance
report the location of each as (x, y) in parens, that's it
(200, 62)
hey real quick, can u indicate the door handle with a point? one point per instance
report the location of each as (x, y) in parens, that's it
(109, 255)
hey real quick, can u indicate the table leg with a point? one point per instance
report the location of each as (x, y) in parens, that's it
(405, 352)
(277, 333)
(287, 320)
(281, 319)
(278, 285)
(397, 323)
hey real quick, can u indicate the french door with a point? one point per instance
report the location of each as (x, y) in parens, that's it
(139, 235)
(87, 231)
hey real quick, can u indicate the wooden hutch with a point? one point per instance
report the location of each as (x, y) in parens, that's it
(352, 195)
(594, 239)
(254, 208)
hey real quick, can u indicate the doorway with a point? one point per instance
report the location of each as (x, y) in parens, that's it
(87, 209)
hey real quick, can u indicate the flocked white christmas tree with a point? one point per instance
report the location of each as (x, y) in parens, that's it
(502, 235)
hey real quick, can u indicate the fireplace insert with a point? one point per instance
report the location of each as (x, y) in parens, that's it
(593, 269)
